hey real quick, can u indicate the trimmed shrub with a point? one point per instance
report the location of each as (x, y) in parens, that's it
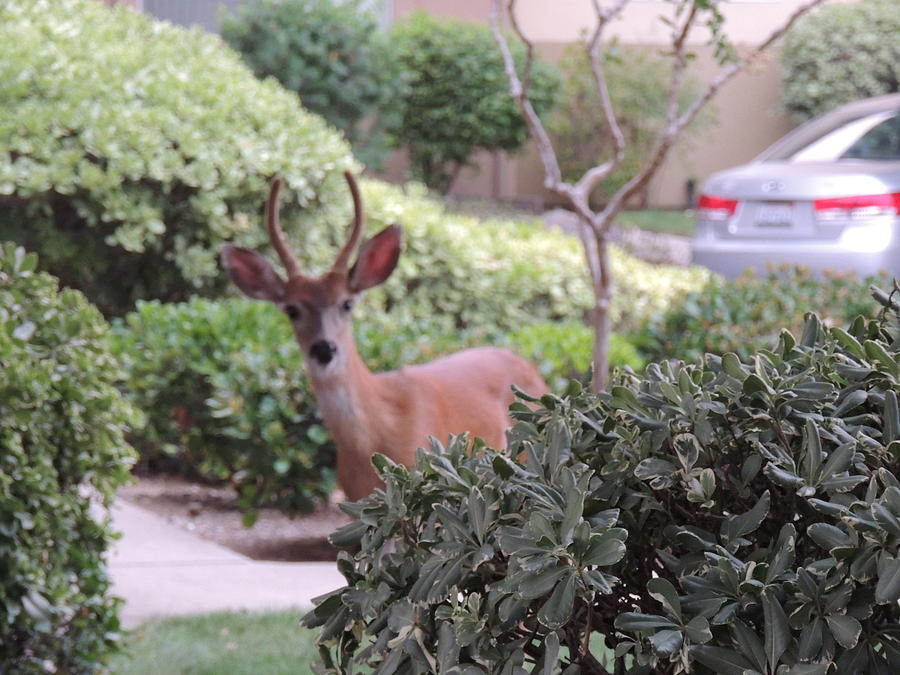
(131, 149)
(562, 351)
(840, 53)
(731, 516)
(748, 314)
(220, 384)
(458, 99)
(62, 455)
(333, 55)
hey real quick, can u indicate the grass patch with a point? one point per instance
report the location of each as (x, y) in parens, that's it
(237, 643)
(668, 222)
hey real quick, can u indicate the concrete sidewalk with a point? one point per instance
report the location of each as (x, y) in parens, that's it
(161, 570)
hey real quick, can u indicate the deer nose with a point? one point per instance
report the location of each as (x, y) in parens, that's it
(323, 350)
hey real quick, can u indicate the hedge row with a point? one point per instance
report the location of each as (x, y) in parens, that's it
(62, 455)
(131, 149)
(748, 314)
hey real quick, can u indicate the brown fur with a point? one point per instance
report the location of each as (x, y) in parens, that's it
(395, 412)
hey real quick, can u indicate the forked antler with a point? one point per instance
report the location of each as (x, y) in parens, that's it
(343, 259)
(275, 234)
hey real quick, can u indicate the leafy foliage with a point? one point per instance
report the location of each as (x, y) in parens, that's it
(562, 351)
(130, 149)
(458, 98)
(219, 382)
(730, 516)
(635, 79)
(840, 53)
(332, 55)
(748, 314)
(61, 441)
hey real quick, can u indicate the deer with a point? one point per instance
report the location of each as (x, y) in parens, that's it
(395, 412)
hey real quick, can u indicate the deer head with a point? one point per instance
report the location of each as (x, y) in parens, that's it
(319, 308)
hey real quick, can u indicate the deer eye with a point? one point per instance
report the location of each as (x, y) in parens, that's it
(347, 305)
(293, 312)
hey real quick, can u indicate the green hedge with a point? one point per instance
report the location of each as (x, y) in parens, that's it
(731, 516)
(457, 99)
(840, 53)
(333, 55)
(62, 454)
(131, 149)
(748, 314)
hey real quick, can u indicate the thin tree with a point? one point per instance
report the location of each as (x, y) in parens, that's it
(595, 224)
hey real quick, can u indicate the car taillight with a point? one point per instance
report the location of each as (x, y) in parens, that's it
(715, 208)
(858, 207)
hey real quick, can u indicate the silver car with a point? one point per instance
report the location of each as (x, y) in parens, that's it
(827, 195)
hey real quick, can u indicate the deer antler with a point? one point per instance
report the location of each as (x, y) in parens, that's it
(343, 259)
(275, 234)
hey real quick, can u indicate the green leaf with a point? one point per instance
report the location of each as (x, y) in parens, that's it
(664, 592)
(783, 553)
(604, 549)
(828, 536)
(876, 352)
(572, 516)
(810, 331)
(653, 467)
(737, 526)
(731, 364)
(538, 584)
(555, 612)
(667, 642)
(635, 621)
(720, 660)
(845, 629)
(888, 588)
(777, 631)
(891, 418)
(812, 444)
(698, 631)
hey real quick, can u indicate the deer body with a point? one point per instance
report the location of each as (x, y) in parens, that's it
(393, 412)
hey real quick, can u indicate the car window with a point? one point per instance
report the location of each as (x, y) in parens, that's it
(851, 140)
(881, 142)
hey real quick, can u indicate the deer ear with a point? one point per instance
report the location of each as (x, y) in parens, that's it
(252, 273)
(377, 259)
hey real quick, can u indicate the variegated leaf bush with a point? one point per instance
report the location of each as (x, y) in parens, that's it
(731, 516)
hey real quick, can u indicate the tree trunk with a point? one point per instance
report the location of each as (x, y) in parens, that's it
(602, 284)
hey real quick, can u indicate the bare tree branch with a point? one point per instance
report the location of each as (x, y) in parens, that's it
(670, 135)
(553, 180)
(529, 48)
(592, 176)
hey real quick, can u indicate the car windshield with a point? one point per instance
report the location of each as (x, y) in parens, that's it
(871, 137)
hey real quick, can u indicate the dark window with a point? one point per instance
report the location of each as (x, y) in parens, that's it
(881, 142)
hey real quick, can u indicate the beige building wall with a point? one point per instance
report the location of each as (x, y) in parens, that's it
(747, 115)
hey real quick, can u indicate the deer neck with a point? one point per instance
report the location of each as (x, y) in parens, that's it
(346, 396)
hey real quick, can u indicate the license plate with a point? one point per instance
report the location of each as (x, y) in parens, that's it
(779, 214)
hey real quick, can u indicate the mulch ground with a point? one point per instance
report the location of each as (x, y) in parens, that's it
(211, 512)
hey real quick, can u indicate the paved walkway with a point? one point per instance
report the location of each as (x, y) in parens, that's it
(161, 570)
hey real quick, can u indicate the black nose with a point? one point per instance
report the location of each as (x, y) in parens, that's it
(323, 350)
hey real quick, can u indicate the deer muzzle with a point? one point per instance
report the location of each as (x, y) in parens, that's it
(323, 351)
